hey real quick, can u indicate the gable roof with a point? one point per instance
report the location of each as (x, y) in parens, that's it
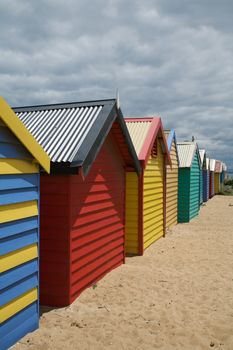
(186, 152)
(143, 132)
(212, 164)
(202, 156)
(23, 135)
(170, 137)
(207, 163)
(73, 133)
(218, 166)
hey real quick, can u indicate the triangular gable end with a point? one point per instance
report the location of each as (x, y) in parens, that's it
(155, 129)
(172, 136)
(23, 135)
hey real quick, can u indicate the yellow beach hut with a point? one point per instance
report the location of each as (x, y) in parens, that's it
(172, 181)
(145, 196)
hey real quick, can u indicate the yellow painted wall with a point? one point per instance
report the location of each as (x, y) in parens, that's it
(216, 183)
(172, 189)
(131, 218)
(153, 199)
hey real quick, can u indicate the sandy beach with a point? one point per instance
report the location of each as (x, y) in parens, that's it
(179, 295)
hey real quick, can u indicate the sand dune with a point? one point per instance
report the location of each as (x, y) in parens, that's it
(179, 295)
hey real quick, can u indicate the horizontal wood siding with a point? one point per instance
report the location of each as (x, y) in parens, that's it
(206, 185)
(172, 189)
(55, 241)
(201, 186)
(211, 183)
(131, 219)
(216, 183)
(97, 214)
(153, 215)
(183, 194)
(194, 199)
(19, 239)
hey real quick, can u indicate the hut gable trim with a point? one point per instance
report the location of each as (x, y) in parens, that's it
(170, 137)
(186, 153)
(155, 129)
(10, 119)
(73, 133)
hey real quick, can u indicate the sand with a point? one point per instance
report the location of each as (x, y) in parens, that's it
(179, 295)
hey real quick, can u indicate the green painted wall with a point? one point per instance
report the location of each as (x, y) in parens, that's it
(194, 188)
(183, 194)
(201, 187)
(189, 192)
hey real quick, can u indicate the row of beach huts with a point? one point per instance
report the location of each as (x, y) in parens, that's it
(80, 187)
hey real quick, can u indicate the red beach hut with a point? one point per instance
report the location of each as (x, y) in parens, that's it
(83, 200)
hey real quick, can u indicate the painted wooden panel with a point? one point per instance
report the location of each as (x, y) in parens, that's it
(183, 194)
(194, 188)
(131, 219)
(211, 184)
(216, 183)
(19, 239)
(153, 216)
(172, 189)
(206, 185)
(201, 186)
(82, 231)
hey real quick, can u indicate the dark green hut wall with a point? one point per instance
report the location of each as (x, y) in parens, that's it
(194, 188)
(189, 192)
(183, 194)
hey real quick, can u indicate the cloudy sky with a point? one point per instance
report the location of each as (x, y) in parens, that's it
(172, 58)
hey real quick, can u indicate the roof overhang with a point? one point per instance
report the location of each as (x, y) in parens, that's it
(11, 120)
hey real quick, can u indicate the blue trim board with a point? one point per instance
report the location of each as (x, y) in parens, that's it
(15, 181)
(18, 226)
(18, 273)
(18, 326)
(170, 139)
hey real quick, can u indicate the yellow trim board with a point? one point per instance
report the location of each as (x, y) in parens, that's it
(17, 166)
(13, 307)
(18, 257)
(17, 127)
(18, 211)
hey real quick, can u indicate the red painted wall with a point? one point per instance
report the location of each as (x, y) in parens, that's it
(82, 227)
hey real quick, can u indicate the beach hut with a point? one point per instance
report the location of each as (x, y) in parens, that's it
(211, 179)
(172, 180)
(206, 178)
(217, 174)
(223, 174)
(202, 155)
(145, 196)
(189, 181)
(20, 158)
(83, 200)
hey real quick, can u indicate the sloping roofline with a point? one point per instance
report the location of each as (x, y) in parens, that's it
(95, 138)
(155, 127)
(170, 138)
(195, 150)
(24, 136)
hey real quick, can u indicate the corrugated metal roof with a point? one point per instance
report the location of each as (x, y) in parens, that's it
(138, 131)
(202, 155)
(60, 130)
(212, 164)
(218, 166)
(224, 167)
(186, 151)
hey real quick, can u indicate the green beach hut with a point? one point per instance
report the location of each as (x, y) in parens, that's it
(189, 180)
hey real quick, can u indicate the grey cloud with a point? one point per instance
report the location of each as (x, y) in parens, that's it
(168, 58)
